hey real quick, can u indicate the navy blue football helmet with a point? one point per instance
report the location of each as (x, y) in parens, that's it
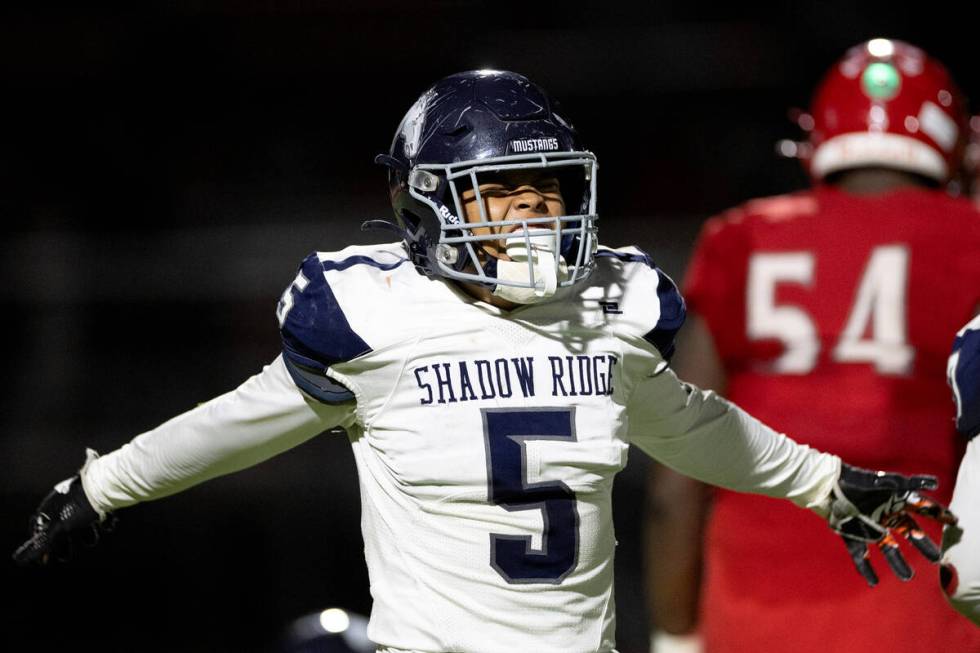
(479, 123)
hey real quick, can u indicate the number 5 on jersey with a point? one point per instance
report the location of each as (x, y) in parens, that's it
(506, 433)
(879, 303)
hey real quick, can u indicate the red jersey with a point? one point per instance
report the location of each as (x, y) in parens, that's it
(833, 315)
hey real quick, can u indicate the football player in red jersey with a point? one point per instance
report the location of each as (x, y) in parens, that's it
(827, 313)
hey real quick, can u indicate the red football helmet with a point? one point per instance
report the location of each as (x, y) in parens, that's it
(887, 103)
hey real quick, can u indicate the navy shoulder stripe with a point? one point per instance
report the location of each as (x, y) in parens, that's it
(965, 379)
(673, 312)
(315, 332)
(350, 261)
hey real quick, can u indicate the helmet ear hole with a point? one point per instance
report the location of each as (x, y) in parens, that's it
(459, 132)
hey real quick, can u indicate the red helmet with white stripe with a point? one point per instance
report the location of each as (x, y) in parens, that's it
(889, 104)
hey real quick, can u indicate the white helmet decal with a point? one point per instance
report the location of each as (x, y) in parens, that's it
(412, 124)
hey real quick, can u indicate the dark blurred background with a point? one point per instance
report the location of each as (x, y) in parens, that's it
(166, 168)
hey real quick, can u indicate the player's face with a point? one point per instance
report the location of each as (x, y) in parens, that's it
(513, 195)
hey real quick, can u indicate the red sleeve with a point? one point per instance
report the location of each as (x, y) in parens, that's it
(714, 285)
(972, 264)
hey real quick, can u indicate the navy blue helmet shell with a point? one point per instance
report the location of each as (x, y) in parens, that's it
(474, 123)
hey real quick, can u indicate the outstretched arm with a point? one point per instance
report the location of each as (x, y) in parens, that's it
(263, 417)
(701, 435)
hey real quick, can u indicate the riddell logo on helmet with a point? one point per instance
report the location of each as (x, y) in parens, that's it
(534, 145)
(448, 215)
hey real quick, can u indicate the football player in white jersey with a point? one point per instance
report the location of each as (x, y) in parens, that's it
(491, 370)
(960, 570)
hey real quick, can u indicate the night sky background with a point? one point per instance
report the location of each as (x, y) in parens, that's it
(164, 170)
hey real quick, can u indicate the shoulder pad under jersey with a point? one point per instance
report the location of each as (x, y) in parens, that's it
(964, 378)
(657, 289)
(313, 324)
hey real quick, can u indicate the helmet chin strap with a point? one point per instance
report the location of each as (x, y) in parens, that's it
(547, 267)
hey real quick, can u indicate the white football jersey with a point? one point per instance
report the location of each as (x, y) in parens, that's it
(486, 441)
(486, 444)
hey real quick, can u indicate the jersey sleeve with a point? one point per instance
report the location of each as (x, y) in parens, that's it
(703, 436)
(261, 418)
(964, 378)
(673, 313)
(316, 333)
(662, 309)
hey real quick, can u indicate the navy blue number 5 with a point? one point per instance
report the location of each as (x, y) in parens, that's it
(505, 433)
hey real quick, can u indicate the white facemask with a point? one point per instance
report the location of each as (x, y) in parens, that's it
(548, 272)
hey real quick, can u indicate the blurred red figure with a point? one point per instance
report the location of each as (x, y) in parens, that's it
(827, 313)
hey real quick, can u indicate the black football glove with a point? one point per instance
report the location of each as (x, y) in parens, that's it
(869, 506)
(64, 520)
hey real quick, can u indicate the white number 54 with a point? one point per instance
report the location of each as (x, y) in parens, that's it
(879, 303)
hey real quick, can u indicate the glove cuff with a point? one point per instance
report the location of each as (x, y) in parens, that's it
(661, 642)
(77, 510)
(90, 456)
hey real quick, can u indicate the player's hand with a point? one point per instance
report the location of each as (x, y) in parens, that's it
(872, 507)
(64, 520)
